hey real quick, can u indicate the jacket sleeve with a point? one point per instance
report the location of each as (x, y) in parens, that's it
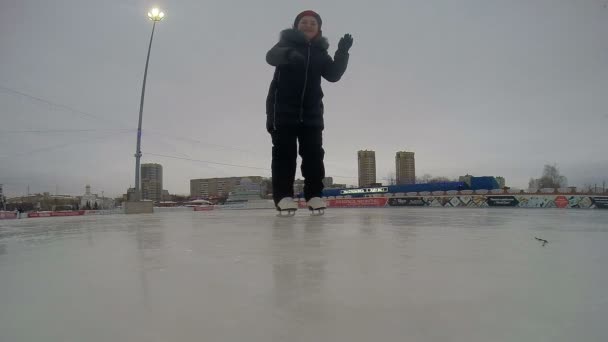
(333, 69)
(277, 55)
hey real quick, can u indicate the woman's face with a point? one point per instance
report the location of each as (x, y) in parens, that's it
(309, 26)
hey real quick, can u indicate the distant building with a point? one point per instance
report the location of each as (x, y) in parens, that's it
(130, 196)
(44, 201)
(152, 182)
(88, 197)
(465, 179)
(501, 181)
(92, 199)
(166, 196)
(218, 187)
(405, 168)
(367, 167)
(483, 182)
(328, 182)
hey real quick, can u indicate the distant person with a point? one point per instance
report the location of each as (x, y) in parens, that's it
(294, 107)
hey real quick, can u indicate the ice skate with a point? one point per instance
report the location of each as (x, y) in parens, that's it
(287, 207)
(317, 206)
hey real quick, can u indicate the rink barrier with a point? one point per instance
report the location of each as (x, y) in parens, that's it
(7, 215)
(488, 200)
(38, 214)
(495, 200)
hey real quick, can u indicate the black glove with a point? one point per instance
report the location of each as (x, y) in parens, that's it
(345, 43)
(294, 57)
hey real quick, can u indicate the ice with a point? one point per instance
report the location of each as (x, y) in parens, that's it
(394, 274)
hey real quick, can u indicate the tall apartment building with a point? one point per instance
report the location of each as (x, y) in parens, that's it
(405, 168)
(367, 167)
(217, 187)
(151, 182)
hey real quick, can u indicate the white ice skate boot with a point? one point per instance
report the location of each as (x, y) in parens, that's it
(316, 205)
(287, 206)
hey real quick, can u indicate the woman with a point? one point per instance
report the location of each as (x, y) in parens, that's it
(294, 107)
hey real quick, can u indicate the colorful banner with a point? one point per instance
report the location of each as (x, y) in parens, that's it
(600, 202)
(478, 201)
(407, 202)
(55, 213)
(204, 208)
(7, 215)
(357, 202)
(502, 201)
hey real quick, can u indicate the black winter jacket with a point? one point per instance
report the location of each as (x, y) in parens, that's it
(295, 95)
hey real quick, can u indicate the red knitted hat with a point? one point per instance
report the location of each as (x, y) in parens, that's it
(307, 13)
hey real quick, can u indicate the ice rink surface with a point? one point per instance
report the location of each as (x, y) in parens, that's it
(394, 274)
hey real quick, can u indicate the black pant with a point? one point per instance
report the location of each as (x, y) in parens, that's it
(284, 155)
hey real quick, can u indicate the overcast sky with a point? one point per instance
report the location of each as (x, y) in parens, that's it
(471, 86)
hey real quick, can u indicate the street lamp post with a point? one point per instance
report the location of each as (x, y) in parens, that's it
(155, 15)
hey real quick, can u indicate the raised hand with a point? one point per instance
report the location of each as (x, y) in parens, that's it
(345, 43)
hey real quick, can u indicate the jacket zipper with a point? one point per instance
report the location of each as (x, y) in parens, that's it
(274, 106)
(305, 83)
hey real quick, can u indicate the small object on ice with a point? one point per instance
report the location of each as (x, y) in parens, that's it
(543, 241)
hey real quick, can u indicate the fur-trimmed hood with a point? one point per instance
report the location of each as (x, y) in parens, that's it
(297, 37)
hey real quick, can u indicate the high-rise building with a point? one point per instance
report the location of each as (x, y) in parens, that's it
(405, 168)
(367, 167)
(218, 187)
(152, 182)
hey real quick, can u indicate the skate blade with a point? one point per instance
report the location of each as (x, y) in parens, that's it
(316, 212)
(286, 213)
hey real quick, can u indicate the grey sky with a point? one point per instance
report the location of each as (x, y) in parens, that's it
(471, 86)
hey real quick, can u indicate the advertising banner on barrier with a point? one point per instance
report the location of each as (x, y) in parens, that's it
(600, 202)
(502, 201)
(357, 202)
(204, 208)
(407, 202)
(5, 215)
(561, 202)
(55, 213)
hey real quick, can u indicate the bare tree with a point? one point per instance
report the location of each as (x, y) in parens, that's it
(440, 179)
(533, 183)
(551, 178)
(426, 178)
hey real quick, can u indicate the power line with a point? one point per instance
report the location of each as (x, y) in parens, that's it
(207, 161)
(64, 130)
(98, 117)
(55, 147)
(201, 142)
(53, 104)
